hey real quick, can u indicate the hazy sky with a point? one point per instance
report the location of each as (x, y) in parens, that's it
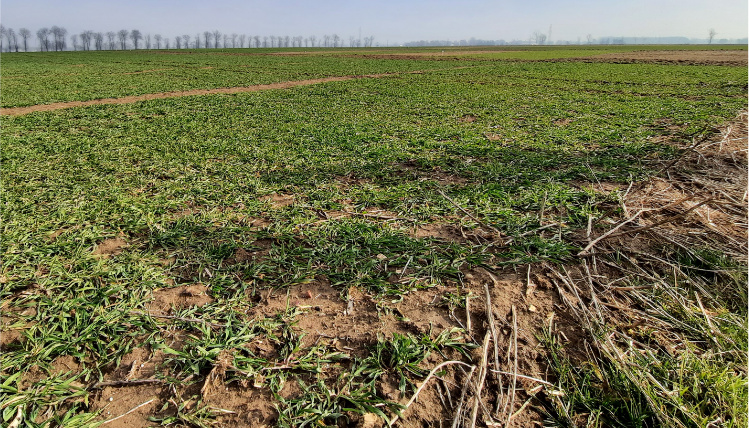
(390, 20)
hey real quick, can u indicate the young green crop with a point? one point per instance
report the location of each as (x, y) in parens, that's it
(189, 184)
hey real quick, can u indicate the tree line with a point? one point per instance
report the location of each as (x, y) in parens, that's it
(56, 39)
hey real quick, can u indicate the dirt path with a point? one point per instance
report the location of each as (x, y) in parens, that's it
(18, 111)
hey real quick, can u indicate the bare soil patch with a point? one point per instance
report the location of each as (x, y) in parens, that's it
(110, 247)
(278, 201)
(685, 57)
(166, 300)
(146, 71)
(17, 111)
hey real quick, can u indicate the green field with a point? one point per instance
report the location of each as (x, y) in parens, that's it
(326, 184)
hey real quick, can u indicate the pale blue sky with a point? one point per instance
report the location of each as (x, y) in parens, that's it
(390, 20)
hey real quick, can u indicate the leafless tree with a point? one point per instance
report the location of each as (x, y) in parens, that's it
(178, 42)
(147, 41)
(197, 41)
(368, 41)
(74, 40)
(12, 40)
(122, 35)
(216, 38)
(59, 34)
(186, 41)
(538, 38)
(43, 35)
(312, 40)
(711, 35)
(207, 36)
(242, 40)
(99, 41)
(326, 39)
(86, 38)
(111, 37)
(226, 41)
(589, 38)
(135, 36)
(3, 32)
(25, 34)
(166, 42)
(336, 40)
(157, 38)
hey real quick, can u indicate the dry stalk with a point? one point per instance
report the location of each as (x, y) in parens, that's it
(459, 410)
(468, 315)
(172, 317)
(481, 379)
(515, 365)
(423, 384)
(499, 234)
(605, 235)
(133, 382)
(495, 341)
(658, 223)
(129, 411)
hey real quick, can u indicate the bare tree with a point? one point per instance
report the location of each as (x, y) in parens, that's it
(186, 41)
(216, 38)
(135, 36)
(178, 42)
(3, 32)
(589, 38)
(86, 38)
(111, 37)
(59, 34)
(12, 40)
(234, 40)
(166, 42)
(74, 40)
(157, 38)
(242, 40)
(368, 41)
(312, 40)
(326, 39)
(265, 42)
(25, 34)
(43, 35)
(99, 41)
(147, 40)
(197, 41)
(207, 36)
(538, 38)
(336, 40)
(122, 35)
(711, 35)
(226, 41)
(272, 41)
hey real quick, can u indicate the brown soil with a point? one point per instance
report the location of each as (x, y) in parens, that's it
(685, 57)
(278, 201)
(109, 247)
(167, 299)
(147, 71)
(17, 111)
